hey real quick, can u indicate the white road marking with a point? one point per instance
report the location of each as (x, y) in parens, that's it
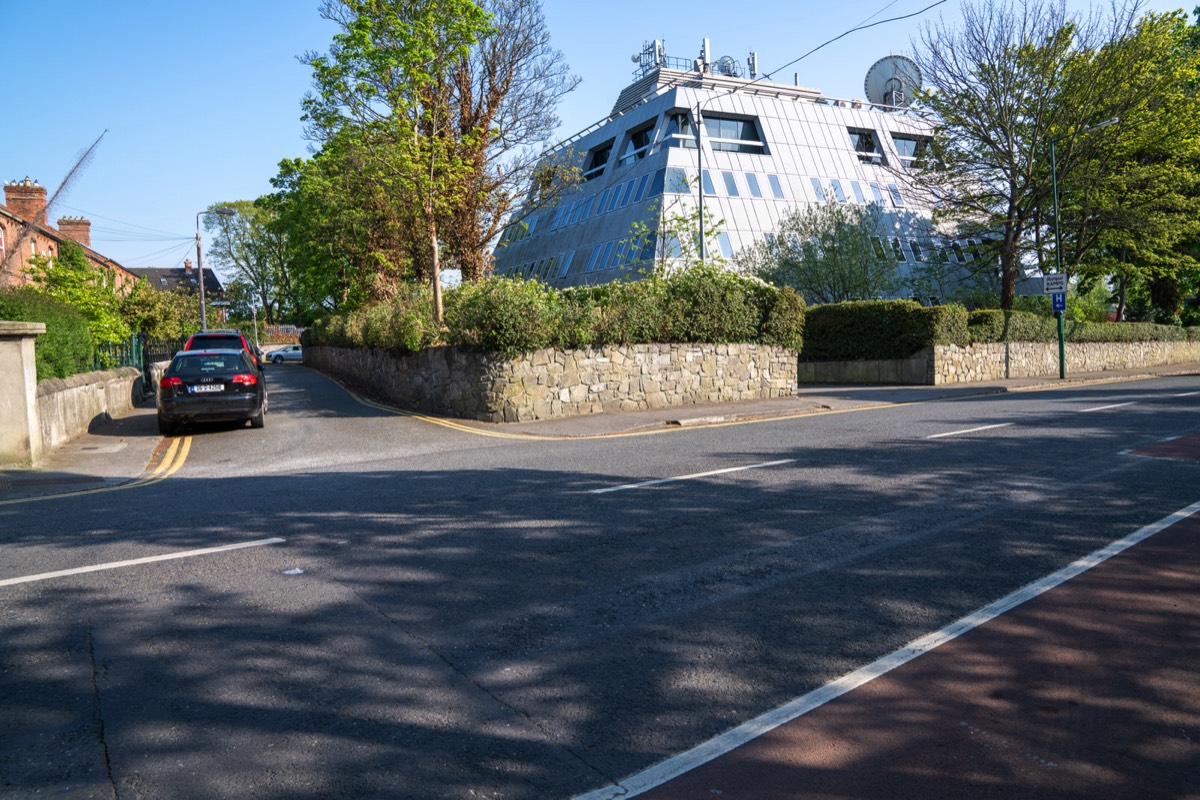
(693, 476)
(700, 754)
(1187, 394)
(969, 430)
(1105, 408)
(135, 561)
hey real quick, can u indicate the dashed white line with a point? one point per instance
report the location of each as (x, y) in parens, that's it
(969, 430)
(135, 561)
(1186, 394)
(1106, 408)
(693, 476)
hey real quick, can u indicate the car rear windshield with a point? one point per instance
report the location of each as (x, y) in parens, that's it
(216, 341)
(216, 363)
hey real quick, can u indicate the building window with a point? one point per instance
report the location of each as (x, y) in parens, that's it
(677, 181)
(818, 190)
(641, 189)
(733, 135)
(707, 180)
(877, 192)
(608, 248)
(591, 265)
(723, 243)
(837, 190)
(616, 197)
(917, 251)
(858, 192)
(897, 198)
(866, 146)
(911, 149)
(752, 184)
(627, 193)
(575, 214)
(898, 249)
(656, 186)
(637, 145)
(566, 264)
(877, 246)
(587, 208)
(776, 187)
(730, 184)
(678, 131)
(596, 161)
(603, 201)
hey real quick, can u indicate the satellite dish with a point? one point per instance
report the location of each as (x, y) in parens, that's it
(892, 81)
(726, 65)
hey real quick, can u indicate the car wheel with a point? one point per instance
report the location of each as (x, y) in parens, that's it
(259, 419)
(166, 426)
(278, 359)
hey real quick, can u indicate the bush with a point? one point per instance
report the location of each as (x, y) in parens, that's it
(500, 315)
(66, 346)
(1018, 326)
(879, 329)
(783, 323)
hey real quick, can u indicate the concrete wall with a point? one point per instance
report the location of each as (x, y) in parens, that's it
(19, 442)
(68, 407)
(559, 383)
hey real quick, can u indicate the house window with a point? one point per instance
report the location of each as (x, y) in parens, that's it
(866, 146)
(596, 161)
(911, 149)
(734, 135)
(637, 145)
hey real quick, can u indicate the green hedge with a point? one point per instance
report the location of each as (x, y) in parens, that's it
(511, 317)
(66, 347)
(1020, 326)
(879, 329)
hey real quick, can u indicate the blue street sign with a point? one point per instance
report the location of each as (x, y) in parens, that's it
(1060, 301)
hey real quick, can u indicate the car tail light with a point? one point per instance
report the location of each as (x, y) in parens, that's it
(167, 383)
(248, 380)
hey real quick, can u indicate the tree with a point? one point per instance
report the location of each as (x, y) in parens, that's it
(829, 252)
(159, 315)
(385, 89)
(252, 251)
(1017, 74)
(92, 291)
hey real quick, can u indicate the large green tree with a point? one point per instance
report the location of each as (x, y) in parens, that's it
(91, 290)
(253, 252)
(828, 252)
(1013, 76)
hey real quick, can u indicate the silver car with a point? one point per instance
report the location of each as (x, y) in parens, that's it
(292, 352)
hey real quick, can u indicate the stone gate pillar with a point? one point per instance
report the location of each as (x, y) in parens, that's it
(20, 429)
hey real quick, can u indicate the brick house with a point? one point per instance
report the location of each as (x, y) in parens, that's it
(24, 232)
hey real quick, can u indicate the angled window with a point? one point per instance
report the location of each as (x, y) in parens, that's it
(591, 265)
(709, 188)
(656, 186)
(897, 198)
(776, 187)
(866, 145)
(678, 131)
(837, 190)
(637, 144)
(911, 149)
(608, 248)
(627, 193)
(752, 184)
(858, 192)
(917, 251)
(733, 135)
(641, 189)
(898, 250)
(616, 197)
(579, 206)
(730, 184)
(587, 208)
(877, 192)
(566, 264)
(877, 246)
(723, 243)
(603, 201)
(677, 181)
(818, 190)
(597, 159)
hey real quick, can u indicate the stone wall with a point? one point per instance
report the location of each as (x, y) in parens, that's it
(561, 383)
(68, 407)
(990, 362)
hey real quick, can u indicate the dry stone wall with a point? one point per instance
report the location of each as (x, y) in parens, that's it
(559, 383)
(990, 362)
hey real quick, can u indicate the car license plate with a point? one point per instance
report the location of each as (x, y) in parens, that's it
(208, 387)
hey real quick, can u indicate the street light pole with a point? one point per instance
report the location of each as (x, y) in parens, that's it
(224, 212)
(1062, 345)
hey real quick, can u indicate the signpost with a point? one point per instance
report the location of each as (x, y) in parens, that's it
(1055, 285)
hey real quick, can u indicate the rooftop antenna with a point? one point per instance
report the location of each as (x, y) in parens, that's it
(892, 81)
(752, 62)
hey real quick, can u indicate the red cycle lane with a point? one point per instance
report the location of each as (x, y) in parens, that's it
(1089, 690)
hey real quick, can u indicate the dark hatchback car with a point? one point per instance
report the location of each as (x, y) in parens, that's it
(211, 386)
(222, 340)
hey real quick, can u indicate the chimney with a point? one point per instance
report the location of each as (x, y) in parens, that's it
(187, 265)
(26, 199)
(77, 228)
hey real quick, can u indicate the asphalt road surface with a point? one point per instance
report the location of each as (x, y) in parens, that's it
(414, 610)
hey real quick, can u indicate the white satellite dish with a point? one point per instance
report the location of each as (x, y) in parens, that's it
(892, 81)
(727, 65)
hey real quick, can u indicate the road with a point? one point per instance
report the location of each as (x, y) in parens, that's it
(456, 613)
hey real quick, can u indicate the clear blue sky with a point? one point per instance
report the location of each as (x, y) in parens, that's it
(201, 101)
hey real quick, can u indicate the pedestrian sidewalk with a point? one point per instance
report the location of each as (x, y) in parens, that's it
(127, 448)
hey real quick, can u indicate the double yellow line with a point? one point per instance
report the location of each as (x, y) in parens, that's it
(174, 458)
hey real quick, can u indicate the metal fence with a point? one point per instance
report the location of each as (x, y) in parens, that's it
(138, 352)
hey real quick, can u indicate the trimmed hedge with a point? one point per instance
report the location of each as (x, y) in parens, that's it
(511, 316)
(1021, 326)
(65, 348)
(879, 329)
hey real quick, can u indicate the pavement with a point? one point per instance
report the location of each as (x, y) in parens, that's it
(128, 448)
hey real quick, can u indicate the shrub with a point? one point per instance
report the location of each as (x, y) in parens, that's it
(709, 304)
(66, 346)
(1018, 326)
(501, 315)
(879, 329)
(783, 322)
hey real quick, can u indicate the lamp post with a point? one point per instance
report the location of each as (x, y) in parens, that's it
(1062, 346)
(224, 212)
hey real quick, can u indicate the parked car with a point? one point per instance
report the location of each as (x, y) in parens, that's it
(211, 386)
(220, 340)
(293, 352)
